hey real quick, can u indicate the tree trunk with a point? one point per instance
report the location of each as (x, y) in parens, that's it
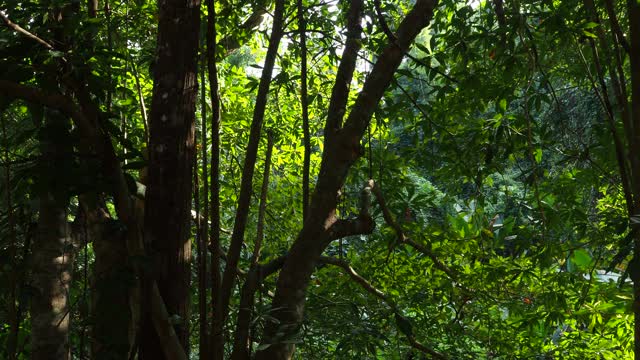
(342, 149)
(216, 341)
(52, 261)
(171, 151)
(113, 332)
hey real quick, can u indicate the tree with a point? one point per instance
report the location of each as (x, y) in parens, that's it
(388, 179)
(171, 150)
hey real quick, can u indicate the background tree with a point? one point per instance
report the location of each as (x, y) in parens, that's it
(471, 165)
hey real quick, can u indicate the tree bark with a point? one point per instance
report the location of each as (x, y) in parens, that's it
(52, 269)
(304, 101)
(216, 343)
(203, 224)
(341, 150)
(53, 251)
(171, 151)
(113, 332)
(242, 344)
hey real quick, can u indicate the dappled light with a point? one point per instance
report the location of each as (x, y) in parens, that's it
(319, 179)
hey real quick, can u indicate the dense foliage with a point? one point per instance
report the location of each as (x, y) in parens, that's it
(502, 153)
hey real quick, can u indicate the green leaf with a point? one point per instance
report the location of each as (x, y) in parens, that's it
(503, 105)
(581, 258)
(538, 155)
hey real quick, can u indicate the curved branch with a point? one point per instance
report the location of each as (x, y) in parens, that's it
(362, 225)
(402, 238)
(358, 279)
(231, 43)
(365, 284)
(57, 101)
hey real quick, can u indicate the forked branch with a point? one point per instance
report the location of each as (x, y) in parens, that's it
(366, 285)
(403, 238)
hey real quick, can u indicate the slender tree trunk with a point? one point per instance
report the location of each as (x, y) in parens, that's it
(216, 343)
(171, 151)
(304, 100)
(246, 186)
(203, 224)
(242, 342)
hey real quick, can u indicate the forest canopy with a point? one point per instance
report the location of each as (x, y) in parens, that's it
(319, 179)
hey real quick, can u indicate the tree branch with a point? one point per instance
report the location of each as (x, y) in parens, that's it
(19, 29)
(304, 102)
(362, 225)
(231, 43)
(380, 295)
(358, 279)
(340, 152)
(402, 238)
(244, 199)
(615, 25)
(340, 92)
(241, 348)
(383, 70)
(57, 101)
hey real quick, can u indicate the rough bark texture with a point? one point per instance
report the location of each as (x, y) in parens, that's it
(52, 269)
(216, 343)
(202, 224)
(171, 151)
(304, 102)
(341, 151)
(52, 261)
(85, 117)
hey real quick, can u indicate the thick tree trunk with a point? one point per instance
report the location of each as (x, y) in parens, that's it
(113, 332)
(342, 148)
(52, 268)
(171, 151)
(53, 251)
